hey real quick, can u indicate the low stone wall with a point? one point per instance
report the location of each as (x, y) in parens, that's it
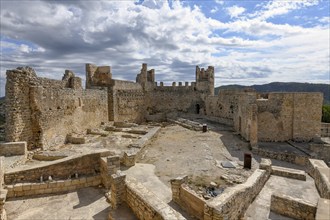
(195, 126)
(291, 158)
(292, 207)
(129, 157)
(289, 173)
(108, 165)
(234, 201)
(13, 148)
(325, 129)
(187, 198)
(28, 189)
(321, 174)
(87, 165)
(145, 204)
(321, 151)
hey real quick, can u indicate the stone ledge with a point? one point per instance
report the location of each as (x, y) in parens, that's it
(13, 148)
(289, 173)
(292, 207)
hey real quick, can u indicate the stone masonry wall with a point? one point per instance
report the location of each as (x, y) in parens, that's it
(289, 116)
(187, 198)
(234, 201)
(62, 169)
(49, 187)
(126, 101)
(321, 174)
(292, 207)
(43, 111)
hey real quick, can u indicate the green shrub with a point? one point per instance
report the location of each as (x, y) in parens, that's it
(326, 113)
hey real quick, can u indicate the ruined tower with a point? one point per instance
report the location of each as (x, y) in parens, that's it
(146, 77)
(205, 80)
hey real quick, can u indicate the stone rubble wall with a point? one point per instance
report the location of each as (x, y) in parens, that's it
(186, 198)
(289, 116)
(325, 129)
(321, 151)
(65, 168)
(146, 205)
(49, 187)
(125, 101)
(108, 166)
(43, 111)
(321, 175)
(283, 156)
(13, 148)
(234, 201)
(292, 207)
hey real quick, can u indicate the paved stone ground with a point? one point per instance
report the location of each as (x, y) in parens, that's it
(260, 208)
(86, 203)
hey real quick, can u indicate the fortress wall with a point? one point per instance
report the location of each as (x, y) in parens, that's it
(64, 111)
(126, 101)
(175, 99)
(43, 111)
(289, 116)
(224, 105)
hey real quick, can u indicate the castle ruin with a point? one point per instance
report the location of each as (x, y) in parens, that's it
(62, 138)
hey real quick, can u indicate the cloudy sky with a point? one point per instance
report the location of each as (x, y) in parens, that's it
(248, 42)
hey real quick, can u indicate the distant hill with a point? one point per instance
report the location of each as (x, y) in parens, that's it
(285, 87)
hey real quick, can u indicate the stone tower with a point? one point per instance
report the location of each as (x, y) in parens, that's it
(205, 80)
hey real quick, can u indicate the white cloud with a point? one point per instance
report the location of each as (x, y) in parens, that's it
(219, 2)
(235, 11)
(214, 10)
(170, 39)
(280, 7)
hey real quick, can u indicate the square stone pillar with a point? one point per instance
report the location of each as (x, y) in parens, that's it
(118, 189)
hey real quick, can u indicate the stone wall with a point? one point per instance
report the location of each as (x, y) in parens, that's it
(43, 111)
(88, 165)
(49, 187)
(126, 101)
(13, 149)
(325, 129)
(187, 198)
(234, 201)
(321, 174)
(289, 116)
(108, 166)
(146, 205)
(284, 156)
(292, 207)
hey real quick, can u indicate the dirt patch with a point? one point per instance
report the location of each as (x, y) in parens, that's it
(178, 151)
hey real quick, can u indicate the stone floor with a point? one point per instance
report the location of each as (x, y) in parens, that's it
(260, 208)
(86, 203)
